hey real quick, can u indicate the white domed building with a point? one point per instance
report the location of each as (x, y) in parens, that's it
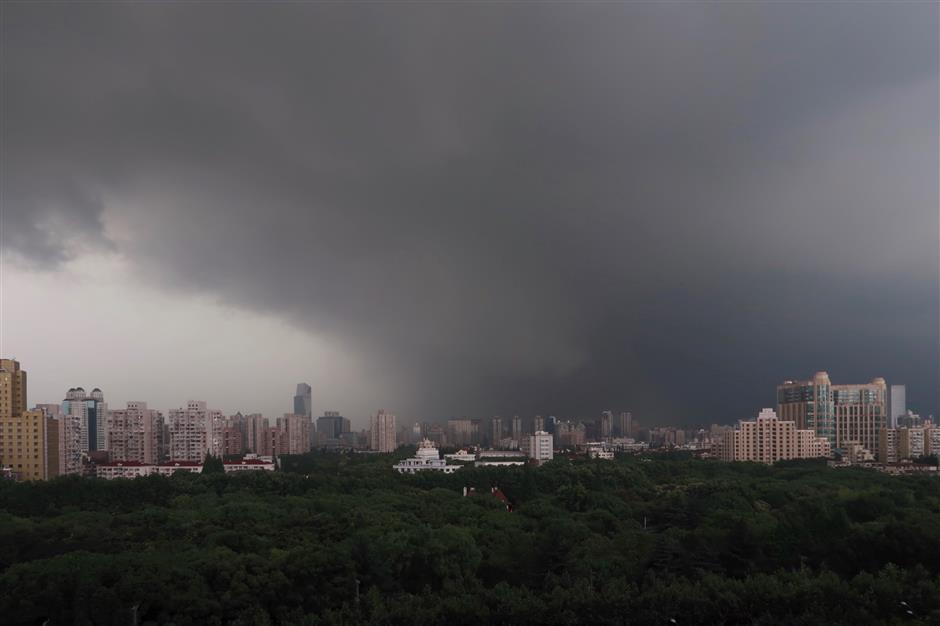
(426, 459)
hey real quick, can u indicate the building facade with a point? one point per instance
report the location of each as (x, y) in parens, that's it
(303, 401)
(808, 403)
(195, 431)
(294, 431)
(860, 413)
(91, 412)
(133, 434)
(426, 459)
(769, 439)
(382, 432)
(540, 447)
(23, 433)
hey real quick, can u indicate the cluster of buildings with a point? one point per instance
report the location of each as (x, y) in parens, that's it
(83, 435)
(865, 422)
(859, 423)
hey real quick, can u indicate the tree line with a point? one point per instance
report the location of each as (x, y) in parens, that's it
(339, 539)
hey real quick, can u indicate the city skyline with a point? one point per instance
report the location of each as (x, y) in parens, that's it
(652, 206)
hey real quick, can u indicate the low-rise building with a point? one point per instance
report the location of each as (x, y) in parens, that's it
(426, 459)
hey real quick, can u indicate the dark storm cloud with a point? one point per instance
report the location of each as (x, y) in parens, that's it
(507, 208)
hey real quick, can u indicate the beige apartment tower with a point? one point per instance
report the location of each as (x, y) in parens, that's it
(382, 432)
(769, 439)
(860, 413)
(22, 433)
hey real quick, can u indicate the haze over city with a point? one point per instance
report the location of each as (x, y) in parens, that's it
(470, 210)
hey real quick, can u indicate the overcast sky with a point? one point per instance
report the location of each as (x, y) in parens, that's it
(454, 209)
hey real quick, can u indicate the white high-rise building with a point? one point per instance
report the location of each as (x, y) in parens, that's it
(195, 431)
(382, 432)
(541, 447)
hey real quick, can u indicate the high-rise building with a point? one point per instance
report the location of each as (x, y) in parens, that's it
(12, 388)
(517, 431)
(538, 424)
(463, 431)
(195, 431)
(769, 439)
(302, 401)
(496, 431)
(382, 432)
(607, 425)
(808, 403)
(134, 434)
(569, 434)
(233, 439)
(897, 404)
(294, 434)
(91, 411)
(860, 413)
(23, 435)
(624, 425)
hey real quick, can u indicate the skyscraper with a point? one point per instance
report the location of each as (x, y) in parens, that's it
(382, 432)
(22, 432)
(808, 403)
(302, 401)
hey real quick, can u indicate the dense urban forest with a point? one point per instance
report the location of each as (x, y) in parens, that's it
(342, 539)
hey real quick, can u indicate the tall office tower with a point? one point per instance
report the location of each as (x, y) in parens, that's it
(134, 433)
(897, 404)
(92, 413)
(496, 431)
(302, 404)
(463, 431)
(255, 425)
(540, 447)
(294, 434)
(417, 433)
(808, 403)
(332, 425)
(538, 424)
(607, 425)
(769, 439)
(624, 424)
(860, 413)
(382, 432)
(195, 431)
(23, 439)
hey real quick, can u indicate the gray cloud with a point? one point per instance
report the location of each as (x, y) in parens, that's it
(507, 208)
